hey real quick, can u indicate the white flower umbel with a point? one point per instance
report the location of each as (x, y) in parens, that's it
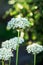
(35, 49)
(18, 23)
(5, 54)
(12, 43)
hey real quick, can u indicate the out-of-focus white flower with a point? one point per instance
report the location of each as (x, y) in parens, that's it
(18, 23)
(35, 7)
(5, 54)
(31, 14)
(34, 48)
(11, 2)
(12, 43)
(19, 6)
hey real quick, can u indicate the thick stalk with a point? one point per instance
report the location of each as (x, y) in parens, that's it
(2, 62)
(22, 34)
(34, 59)
(17, 50)
(9, 61)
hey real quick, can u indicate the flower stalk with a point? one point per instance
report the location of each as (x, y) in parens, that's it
(2, 62)
(17, 49)
(9, 61)
(34, 59)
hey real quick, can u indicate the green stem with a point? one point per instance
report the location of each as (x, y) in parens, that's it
(34, 59)
(17, 50)
(9, 61)
(2, 62)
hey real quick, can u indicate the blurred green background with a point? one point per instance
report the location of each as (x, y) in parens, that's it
(30, 9)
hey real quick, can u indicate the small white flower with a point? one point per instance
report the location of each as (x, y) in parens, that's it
(12, 43)
(18, 23)
(34, 48)
(11, 23)
(5, 44)
(5, 54)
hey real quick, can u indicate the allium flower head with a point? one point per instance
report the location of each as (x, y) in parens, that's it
(12, 43)
(5, 54)
(18, 23)
(34, 48)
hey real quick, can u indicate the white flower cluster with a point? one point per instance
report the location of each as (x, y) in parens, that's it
(5, 54)
(12, 43)
(34, 48)
(18, 23)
